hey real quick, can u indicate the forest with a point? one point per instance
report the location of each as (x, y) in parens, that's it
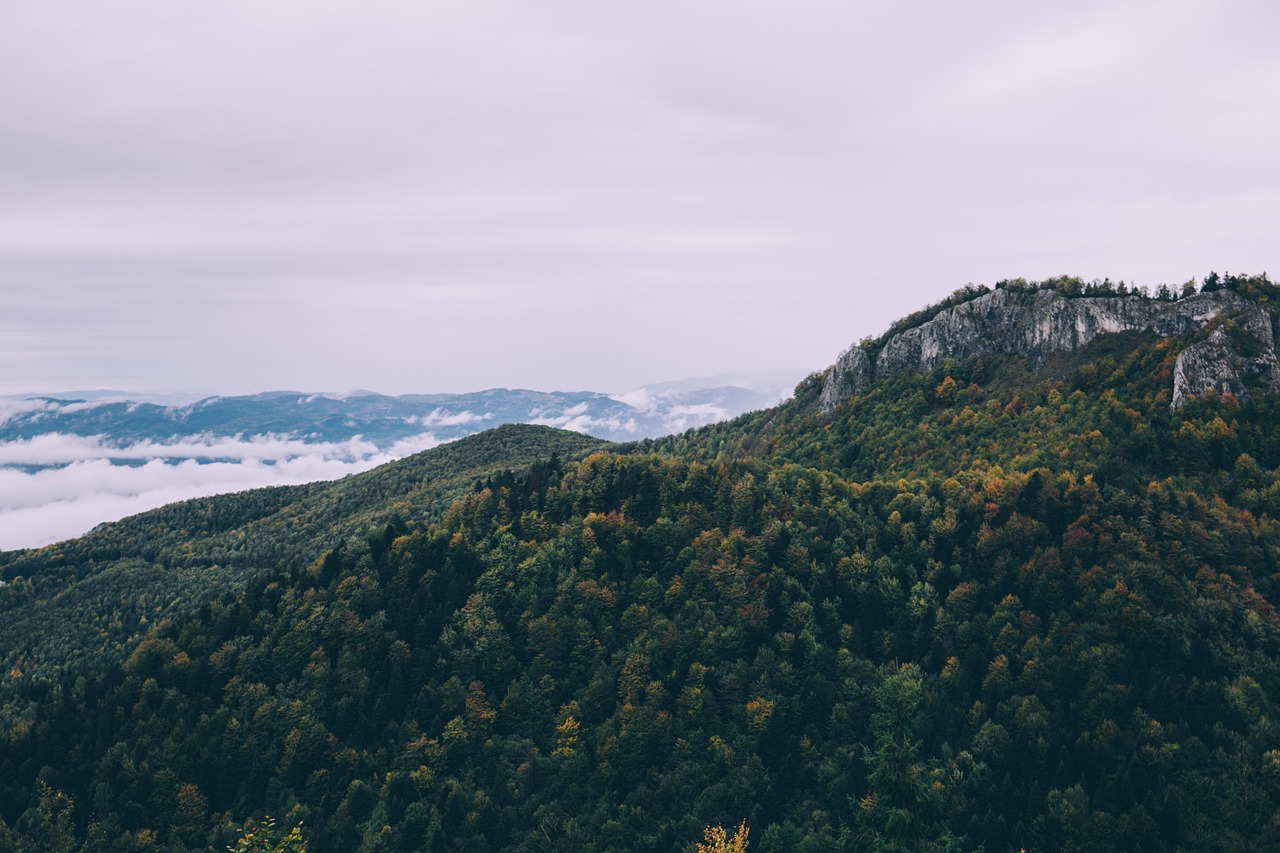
(983, 608)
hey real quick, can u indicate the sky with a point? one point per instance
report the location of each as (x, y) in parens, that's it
(431, 196)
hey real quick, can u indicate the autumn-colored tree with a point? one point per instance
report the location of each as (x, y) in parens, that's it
(716, 840)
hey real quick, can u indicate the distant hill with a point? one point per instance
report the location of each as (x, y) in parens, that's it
(68, 462)
(384, 420)
(981, 601)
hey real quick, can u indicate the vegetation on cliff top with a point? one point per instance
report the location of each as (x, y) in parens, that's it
(1256, 287)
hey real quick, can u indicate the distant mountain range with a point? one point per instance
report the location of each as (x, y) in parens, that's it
(123, 419)
(72, 460)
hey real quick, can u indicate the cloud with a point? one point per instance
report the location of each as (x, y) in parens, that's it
(475, 175)
(411, 445)
(575, 418)
(12, 407)
(681, 418)
(88, 405)
(57, 448)
(641, 399)
(439, 417)
(84, 486)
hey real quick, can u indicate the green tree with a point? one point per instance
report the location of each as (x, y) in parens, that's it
(903, 809)
(55, 827)
(266, 838)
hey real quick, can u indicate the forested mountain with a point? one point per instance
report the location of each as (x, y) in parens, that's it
(172, 559)
(999, 600)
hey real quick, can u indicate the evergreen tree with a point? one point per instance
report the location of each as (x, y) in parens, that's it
(902, 812)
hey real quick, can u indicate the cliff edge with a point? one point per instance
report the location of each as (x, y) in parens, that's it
(1038, 324)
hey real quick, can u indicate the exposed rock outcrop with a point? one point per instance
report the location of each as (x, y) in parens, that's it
(851, 374)
(1039, 324)
(1214, 364)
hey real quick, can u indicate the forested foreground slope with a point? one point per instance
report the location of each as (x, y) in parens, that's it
(995, 604)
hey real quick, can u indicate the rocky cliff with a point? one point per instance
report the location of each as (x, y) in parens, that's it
(1038, 324)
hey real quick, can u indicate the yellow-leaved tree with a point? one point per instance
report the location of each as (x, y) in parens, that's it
(715, 840)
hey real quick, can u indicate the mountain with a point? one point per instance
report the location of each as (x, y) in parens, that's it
(179, 556)
(1000, 600)
(72, 461)
(382, 420)
(1039, 324)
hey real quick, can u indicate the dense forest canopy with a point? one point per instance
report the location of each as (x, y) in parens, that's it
(981, 607)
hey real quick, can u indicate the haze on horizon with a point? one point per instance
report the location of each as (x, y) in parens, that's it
(235, 197)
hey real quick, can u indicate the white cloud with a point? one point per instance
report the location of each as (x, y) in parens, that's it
(57, 448)
(413, 444)
(682, 417)
(12, 407)
(576, 419)
(439, 417)
(86, 488)
(641, 399)
(85, 405)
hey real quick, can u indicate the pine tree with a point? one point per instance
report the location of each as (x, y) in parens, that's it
(903, 809)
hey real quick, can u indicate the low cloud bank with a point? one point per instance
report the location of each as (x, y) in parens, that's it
(81, 486)
(439, 417)
(66, 467)
(58, 448)
(578, 419)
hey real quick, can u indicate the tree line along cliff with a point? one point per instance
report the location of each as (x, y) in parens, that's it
(1039, 321)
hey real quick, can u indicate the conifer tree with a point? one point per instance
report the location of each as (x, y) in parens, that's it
(903, 809)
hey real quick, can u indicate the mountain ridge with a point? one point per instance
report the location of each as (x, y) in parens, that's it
(384, 419)
(412, 489)
(1042, 322)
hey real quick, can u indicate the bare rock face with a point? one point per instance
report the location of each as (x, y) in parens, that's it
(1040, 323)
(851, 374)
(1215, 365)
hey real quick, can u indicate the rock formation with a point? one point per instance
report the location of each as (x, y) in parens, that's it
(1038, 324)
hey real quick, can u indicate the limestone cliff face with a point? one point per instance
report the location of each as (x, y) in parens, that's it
(1215, 364)
(1041, 323)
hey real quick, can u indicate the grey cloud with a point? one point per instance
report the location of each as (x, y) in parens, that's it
(196, 195)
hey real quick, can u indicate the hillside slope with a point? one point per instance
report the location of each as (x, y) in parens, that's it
(991, 605)
(76, 600)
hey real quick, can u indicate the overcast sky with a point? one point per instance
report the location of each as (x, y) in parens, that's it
(228, 197)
